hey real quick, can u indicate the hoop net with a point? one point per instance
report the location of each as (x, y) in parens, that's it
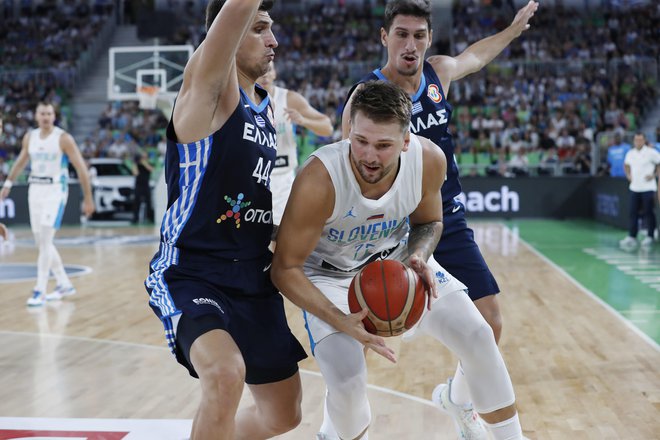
(148, 96)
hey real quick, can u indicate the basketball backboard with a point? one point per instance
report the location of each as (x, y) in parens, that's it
(132, 68)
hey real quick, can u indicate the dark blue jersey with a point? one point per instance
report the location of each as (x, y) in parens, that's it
(431, 114)
(219, 201)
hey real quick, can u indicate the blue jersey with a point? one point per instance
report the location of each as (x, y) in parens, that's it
(615, 157)
(219, 201)
(431, 114)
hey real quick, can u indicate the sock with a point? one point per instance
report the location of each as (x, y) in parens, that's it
(507, 430)
(459, 392)
(327, 428)
(58, 268)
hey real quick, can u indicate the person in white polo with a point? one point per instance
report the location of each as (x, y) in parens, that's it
(642, 165)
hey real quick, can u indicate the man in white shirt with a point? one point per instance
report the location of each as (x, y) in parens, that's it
(641, 165)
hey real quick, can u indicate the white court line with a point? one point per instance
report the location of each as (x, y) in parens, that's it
(155, 347)
(595, 297)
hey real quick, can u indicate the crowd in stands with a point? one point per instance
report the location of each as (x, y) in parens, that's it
(539, 108)
(40, 44)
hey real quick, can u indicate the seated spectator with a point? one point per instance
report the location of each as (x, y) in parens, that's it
(519, 163)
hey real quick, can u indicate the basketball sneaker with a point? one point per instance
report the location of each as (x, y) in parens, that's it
(37, 299)
(467, 421)
(628, 242)
(60, 292)
(647, 242)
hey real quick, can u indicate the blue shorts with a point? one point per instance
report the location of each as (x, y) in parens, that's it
(459, 254)
(210, 296)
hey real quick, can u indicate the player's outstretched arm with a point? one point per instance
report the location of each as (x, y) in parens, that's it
(70, 148)
(211, 73)
(426, 221)
(16, 169)
(310, 204)
(300, 112)
(479, 54)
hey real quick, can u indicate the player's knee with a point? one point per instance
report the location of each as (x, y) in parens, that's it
(222, 381)
(287, 418)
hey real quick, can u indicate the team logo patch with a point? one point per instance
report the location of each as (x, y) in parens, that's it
(235, 211)
(434, 93)
(350, 213)
(441, 277)
(260, 121)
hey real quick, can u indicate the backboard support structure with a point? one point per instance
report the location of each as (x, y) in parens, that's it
(134, 67)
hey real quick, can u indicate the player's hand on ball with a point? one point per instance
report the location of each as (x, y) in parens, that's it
(428, 277)
(354, 327)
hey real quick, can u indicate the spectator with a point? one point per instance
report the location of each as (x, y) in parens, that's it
(616, 154)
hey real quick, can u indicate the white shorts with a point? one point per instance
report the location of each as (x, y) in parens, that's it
(334, 285)
(46, 202)
(280, 186)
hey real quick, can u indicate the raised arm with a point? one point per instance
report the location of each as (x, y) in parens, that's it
(69, 147)
(211, 73)
(309, 206)
(426, 221)
(17, 167)
(302, 113)
(479, 54)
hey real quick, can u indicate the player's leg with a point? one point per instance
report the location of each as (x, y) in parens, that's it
(455, 321)
(346, 398)
(63, 283)
(276, 409)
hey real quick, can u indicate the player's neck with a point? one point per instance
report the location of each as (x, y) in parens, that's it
(46, 131)
(408, 83)
(248, 86)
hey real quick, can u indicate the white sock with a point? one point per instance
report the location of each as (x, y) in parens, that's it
(327, 428)
(58, 268)
(459, 391)
(507, 430)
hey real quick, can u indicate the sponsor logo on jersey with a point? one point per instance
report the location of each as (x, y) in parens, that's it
(235, 211)
(281, 161)
(433, 92)
(441, 277)
(350, 213)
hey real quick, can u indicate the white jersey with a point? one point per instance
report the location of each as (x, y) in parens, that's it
(48, 163)
(287, 152)
(361, 230)
(642, 163)
(283, 174)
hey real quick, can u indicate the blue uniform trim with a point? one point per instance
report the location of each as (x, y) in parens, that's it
(312, 343)
(420, 90)
(193, 161)
(257, 108)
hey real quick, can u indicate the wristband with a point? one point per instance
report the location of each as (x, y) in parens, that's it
(8, 184)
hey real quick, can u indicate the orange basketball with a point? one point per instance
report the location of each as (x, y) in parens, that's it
(392, 292)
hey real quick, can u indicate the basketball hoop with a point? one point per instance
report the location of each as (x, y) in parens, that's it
(148, 96)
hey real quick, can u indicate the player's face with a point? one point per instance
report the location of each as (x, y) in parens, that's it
(638, 140)
(376, 147)
(406, 42)
(257, 48)
(45, 116)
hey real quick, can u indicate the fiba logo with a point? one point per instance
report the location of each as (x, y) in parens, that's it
(434, 93)
(235, 211)
(7, 208)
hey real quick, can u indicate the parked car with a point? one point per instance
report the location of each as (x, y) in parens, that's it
(113, 186)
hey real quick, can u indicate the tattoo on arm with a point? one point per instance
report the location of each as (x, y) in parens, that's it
(423, 239)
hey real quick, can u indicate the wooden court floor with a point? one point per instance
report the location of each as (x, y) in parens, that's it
(579, 372)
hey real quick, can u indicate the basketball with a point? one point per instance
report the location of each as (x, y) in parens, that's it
(392, 292)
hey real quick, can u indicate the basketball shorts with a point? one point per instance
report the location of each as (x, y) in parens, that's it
(46, 202)
(335, 287)
(280, 186)
(209, 296)
(459, 254)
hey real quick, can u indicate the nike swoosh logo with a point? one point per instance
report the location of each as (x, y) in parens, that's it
(267, 267)
(456, 208)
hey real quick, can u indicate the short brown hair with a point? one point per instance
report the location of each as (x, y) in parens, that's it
(415, 8)
(213, 9)
(382, 101)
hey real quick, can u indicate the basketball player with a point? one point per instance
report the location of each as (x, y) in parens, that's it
(407, 36)
(349, 206)
(209, 282)
(291, 109)
(49, 149)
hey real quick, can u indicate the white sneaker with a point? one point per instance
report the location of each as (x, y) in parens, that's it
(628, 242)
(647, 242)
(60, 292)
(37, 299)
(467, 421)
